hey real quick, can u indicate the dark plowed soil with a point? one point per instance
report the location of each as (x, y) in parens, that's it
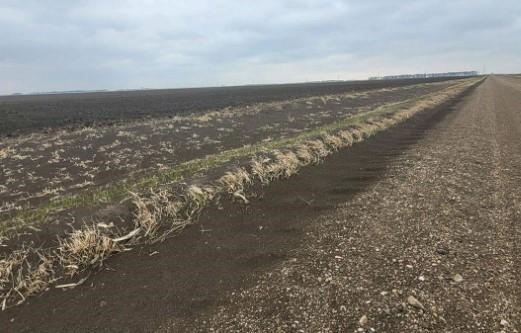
(25, 114)
(173, 284)
(39, 168)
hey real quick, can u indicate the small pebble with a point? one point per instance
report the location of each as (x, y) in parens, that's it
(414, 302)
(457, 278)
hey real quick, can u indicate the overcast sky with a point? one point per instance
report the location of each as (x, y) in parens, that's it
(66, 44)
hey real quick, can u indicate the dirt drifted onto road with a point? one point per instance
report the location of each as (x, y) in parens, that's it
(412, 230)
(432, 247)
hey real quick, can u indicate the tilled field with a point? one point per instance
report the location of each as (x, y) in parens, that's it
(41, 167)
(206, 273)
(27, 114)
(62, 180)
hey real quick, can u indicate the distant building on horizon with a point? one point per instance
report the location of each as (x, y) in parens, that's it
(424, 75)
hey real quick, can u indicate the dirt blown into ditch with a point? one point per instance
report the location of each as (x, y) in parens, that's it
(230, 243)
(79, 252)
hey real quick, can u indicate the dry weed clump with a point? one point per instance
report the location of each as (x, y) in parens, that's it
(18, 278)
(150, 213)
(39, 279)
(166, 203)
(84, 248)
(259, 170)
(157, 214)
(333, 142)
(4, 152)
(318, 149)
(235, 181)
(9, 264)
(284, 165)
(145, 216)
(385, 123)
(357, 134)
(11, 275)
(195, 199)
(305, 154)
(346, 137)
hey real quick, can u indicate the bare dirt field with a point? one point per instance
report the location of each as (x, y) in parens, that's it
(41, 167)
(47, 112)
(413, 228)
(53, 181)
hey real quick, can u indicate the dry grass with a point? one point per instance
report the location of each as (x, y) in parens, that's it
(332, 141)
(166, 203)
(346, 137)
(235, 181)
(318, 148)
(195, 199)
(259, 170)
(284, 165)
(84, 248)
(357, 134)
(11, 274)
(4, 152)
(144, 217)
(305, 154)
(39, 279)
(158, 214)
(18, 278)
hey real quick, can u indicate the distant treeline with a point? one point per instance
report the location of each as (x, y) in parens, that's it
(424, 75)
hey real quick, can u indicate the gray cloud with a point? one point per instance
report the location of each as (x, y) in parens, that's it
(131, 44)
